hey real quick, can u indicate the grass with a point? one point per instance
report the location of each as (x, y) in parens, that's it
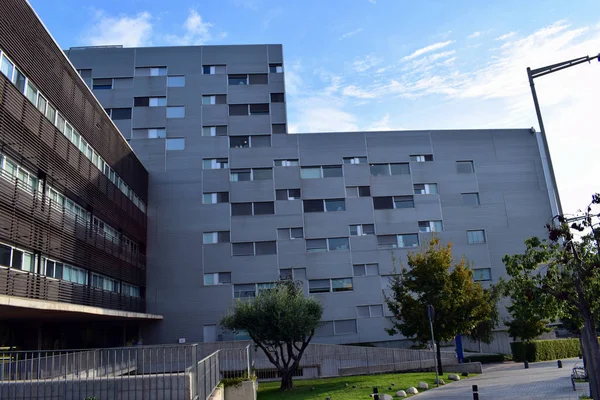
(337, 389)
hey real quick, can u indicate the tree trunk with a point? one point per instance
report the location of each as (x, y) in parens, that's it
(439, 359)
(286, 380)
(590, 340)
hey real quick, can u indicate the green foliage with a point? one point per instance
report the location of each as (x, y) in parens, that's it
(237, 381)
(544, 350)
(461, 305)
(489, 358)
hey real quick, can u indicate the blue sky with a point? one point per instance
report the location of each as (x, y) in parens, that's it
(392, 64)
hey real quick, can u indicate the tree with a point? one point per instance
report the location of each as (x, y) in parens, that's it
(280, 321)
(484, 331)
(561, 278)
(460, 304)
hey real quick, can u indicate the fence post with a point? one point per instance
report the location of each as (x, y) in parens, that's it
(248, 360)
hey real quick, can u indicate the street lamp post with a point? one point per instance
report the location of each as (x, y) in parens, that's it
(536, 73)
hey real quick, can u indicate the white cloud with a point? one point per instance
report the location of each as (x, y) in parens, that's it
(322, 114)
(351, 33)
(129, 31)
(474, 35)
(506, 36)
(427, 49)
(196, 31)
(443, 54)
(366, 62)
(355, 91)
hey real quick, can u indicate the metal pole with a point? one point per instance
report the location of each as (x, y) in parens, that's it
(437, 378)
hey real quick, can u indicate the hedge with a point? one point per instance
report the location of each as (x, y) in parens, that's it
(543, 350)
(488, 358)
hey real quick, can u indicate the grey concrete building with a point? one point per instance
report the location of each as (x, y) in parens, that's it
(235, 202)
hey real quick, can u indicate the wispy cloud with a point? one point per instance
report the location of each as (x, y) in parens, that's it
(129, 31)
(351, 33)
(427, 49)
(506, 36)
(196, 31)
(367, 62)
(474, 35)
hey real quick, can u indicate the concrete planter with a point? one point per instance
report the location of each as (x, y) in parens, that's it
(245, 390)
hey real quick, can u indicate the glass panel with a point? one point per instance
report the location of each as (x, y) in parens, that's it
(313, 206)
(5, 255)
(296, 233)
(19, 80)
(470, 199)
(364, 191)
(209, 237)
(31, 93)
(176, 81)
(474, 237)
(243, 291)
(380, 169)
(266, 248)
(408, 240)
(332, 172)
(341, 285)
(242, 249)
(482, 274)
(175, 144)
(335, 205)
(345, 327)
(264, 208)
(336, 244)
(237, 79)
(400, 169)
(387, 242)
(7, 67)
(318, 286)
(376, 310)
(241, 209)
(404, 202)
(262, 174)
(224, 277)
(239, 176)
(383, 203)
(316, 245)
(236, 142)
(285, 274)
(238, 109)
(359, 270)
(464, 167)
(363, 311)
(259, 109)
(17, 259)
(310, 173)
(209, 279)
(175, 112)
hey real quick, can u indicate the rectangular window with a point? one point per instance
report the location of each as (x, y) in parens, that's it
(219, 130)
(213, 69)
(345, 327)
(310, 172)
(7, 67)
(470, 199)
(358, 191)
(240, 175)
(362, 230)
(372, 311)
(244, 291)
(176, 81)
(319, 286)
(264, 208)
(237, 79)
(214, 99)
(277, 98)
(241, 209)
(400, 169)
(408, 240)
(476, 236)
(175, 144)
(19, 80)
(421, 157)
(31, 93)
(287, 194)
(404, 202)
(335, 205)
(5, 252)
(215, 163)
(355, 160)
(286, 274)
(365, 269)
(120, 113)
(341, 285)
(258, 79)
(158, 71)
(262, 174)
(259, 109)
(286, 163)
(237, 142)
(238, 109)
(157, 101)
(102, 84)
(157, 133)
(242, 249)
(278, 128)
(332, 172)
(176, 112)
(276, 68)
(383, 203)
(215, 237)
(215, 198)
(380, 169)
(290, 233)
(51, 113)
(426, 188)
(387, 242)
(266, 248)
(218, 278)
(313, 206)
(41, 104)
(338, 244)
(260, 141)
(430, 226)
(482, 274)
(316, 245)
(465, 167)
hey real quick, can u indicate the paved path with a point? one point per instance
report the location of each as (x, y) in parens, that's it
(543, 380)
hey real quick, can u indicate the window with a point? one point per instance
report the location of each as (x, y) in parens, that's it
(476, 236)
(176, 81)
(102, 84)
(262, 174)
(251, 79)
(218, 278)
(397, 241)
(215, 237)
(215, 198)
(362, 230)
(335, 205)
(264, 208)
(215, 163)
(358, 191)
(276, 68)
(240, 175)
(430, 226)
(341, 285)
(7, 67)
(286, 274)
(334, 171)
(105, 283)
(344, 327)
(390, 169)
(238, 109)
(265, 248)
(287, 194)
(242, 249)
(325, 328)
(372, 311)
(324, 205)
(249, 141)
(319, 286)
(313, 206)
(249, 109)
(404, 202)
(119, 113)
(176, 112)
(31, 93)
(241, 209)
(175, 144)
(214, 99)
(244, 291)
(149, 133)
(470, 199)
(220, 130)
(290, 233)
(408, 240)
(387, 242)
(389, 202)
(130, 290)
(482, 274)
(465, 167)
(355, 160)
(259, 109)
(19, 80)
(292, 273)
(426, 188)
(365, 269)
(338, 244)
(421, 157)
(238, 79)
(286, 163)
(213, 69)
(316, 245)
(258, 79)
(251, 249)
(278, 128)
(277, 98)
(150, 71)
(149, 101)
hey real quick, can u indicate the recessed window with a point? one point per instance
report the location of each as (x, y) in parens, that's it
(102, 84)
(316, 245)
(215, 198)
(241, 209)
(238, 109)
(276, 68)
(7, 67)
(277, 98)
(338, 244)
(470, 199)
(482, 274)
(215, 237)
(248, 109)
(430, 226)
(175, 144)
(218, 278)
(215, 163)
(355, 160)
(176, 81)
(328, 205)
(287, 194)
(214, 99)
(362, 230)
(149, 133)
(313, 206)
(476, 236)
(236, 142)
(465, 167)
(278, 128)
(358, 191)
(335, 205)
(149, 101)
(330, 285)
(259, 109)
(397, 241)
(371, 311)
(290, 233)
(240, 175)
(265, 248)
(426, 188)
(254, 248)
(219, 130)
(119, 113)
(213, 69)
(150, 71)
(421, 157)
(256, 208)
(248, 79)
(393, 202)
(176, 112)
(365, 269)
(254, 174)
(390, 169)
(237, 79)
(332, 171)
(286, 163)
(264, 208)
(242, 249)
(345, 327)
(244, 291)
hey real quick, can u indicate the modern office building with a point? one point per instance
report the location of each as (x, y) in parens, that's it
(235, 202)
(72, 202)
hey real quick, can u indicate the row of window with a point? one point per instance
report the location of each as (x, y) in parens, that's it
(23, 260)
(216, 130)
(206, 69)
(25, 86)
(127, 83)
(330, 285)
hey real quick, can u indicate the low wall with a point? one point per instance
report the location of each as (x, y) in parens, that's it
(472, 368)
(245, 390)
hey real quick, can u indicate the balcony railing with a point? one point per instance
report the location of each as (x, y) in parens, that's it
(35, 286)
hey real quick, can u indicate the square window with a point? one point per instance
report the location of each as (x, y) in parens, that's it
(238, 209)
(376, 310)
(277, 98)
(400, 169)
(266, 248)
(176, 81)
(175, 144)
(372, 269)
(476, 236)
(352, 191)
(259, 109)
(363, 311)
(296, 233)
(359, 270)
(482, 274)
(470, 199)
(465, 167)
(224, 277)
(319, 286)
(262, 174)
(364, 191)
(332, 172)
(278, 128)
(176, 112)
(380, 169)
(236, 142)
(335, 205)
(264, 208)
(316, 245)
(338, 244)
(294, 194)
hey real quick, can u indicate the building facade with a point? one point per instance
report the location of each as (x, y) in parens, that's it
(72, 202)
(235, 203)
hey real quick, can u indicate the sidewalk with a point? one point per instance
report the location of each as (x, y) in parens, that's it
(543, 380)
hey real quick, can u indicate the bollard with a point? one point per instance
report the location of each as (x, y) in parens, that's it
(376, 393)
(526, 364)
(475, 392)
(559, 362)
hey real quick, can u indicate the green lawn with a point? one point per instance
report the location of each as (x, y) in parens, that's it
(337, 389)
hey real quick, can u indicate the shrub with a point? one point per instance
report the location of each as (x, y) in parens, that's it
(543, 350)
(488, 358)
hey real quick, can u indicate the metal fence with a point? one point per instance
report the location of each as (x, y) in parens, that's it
(143, 372)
